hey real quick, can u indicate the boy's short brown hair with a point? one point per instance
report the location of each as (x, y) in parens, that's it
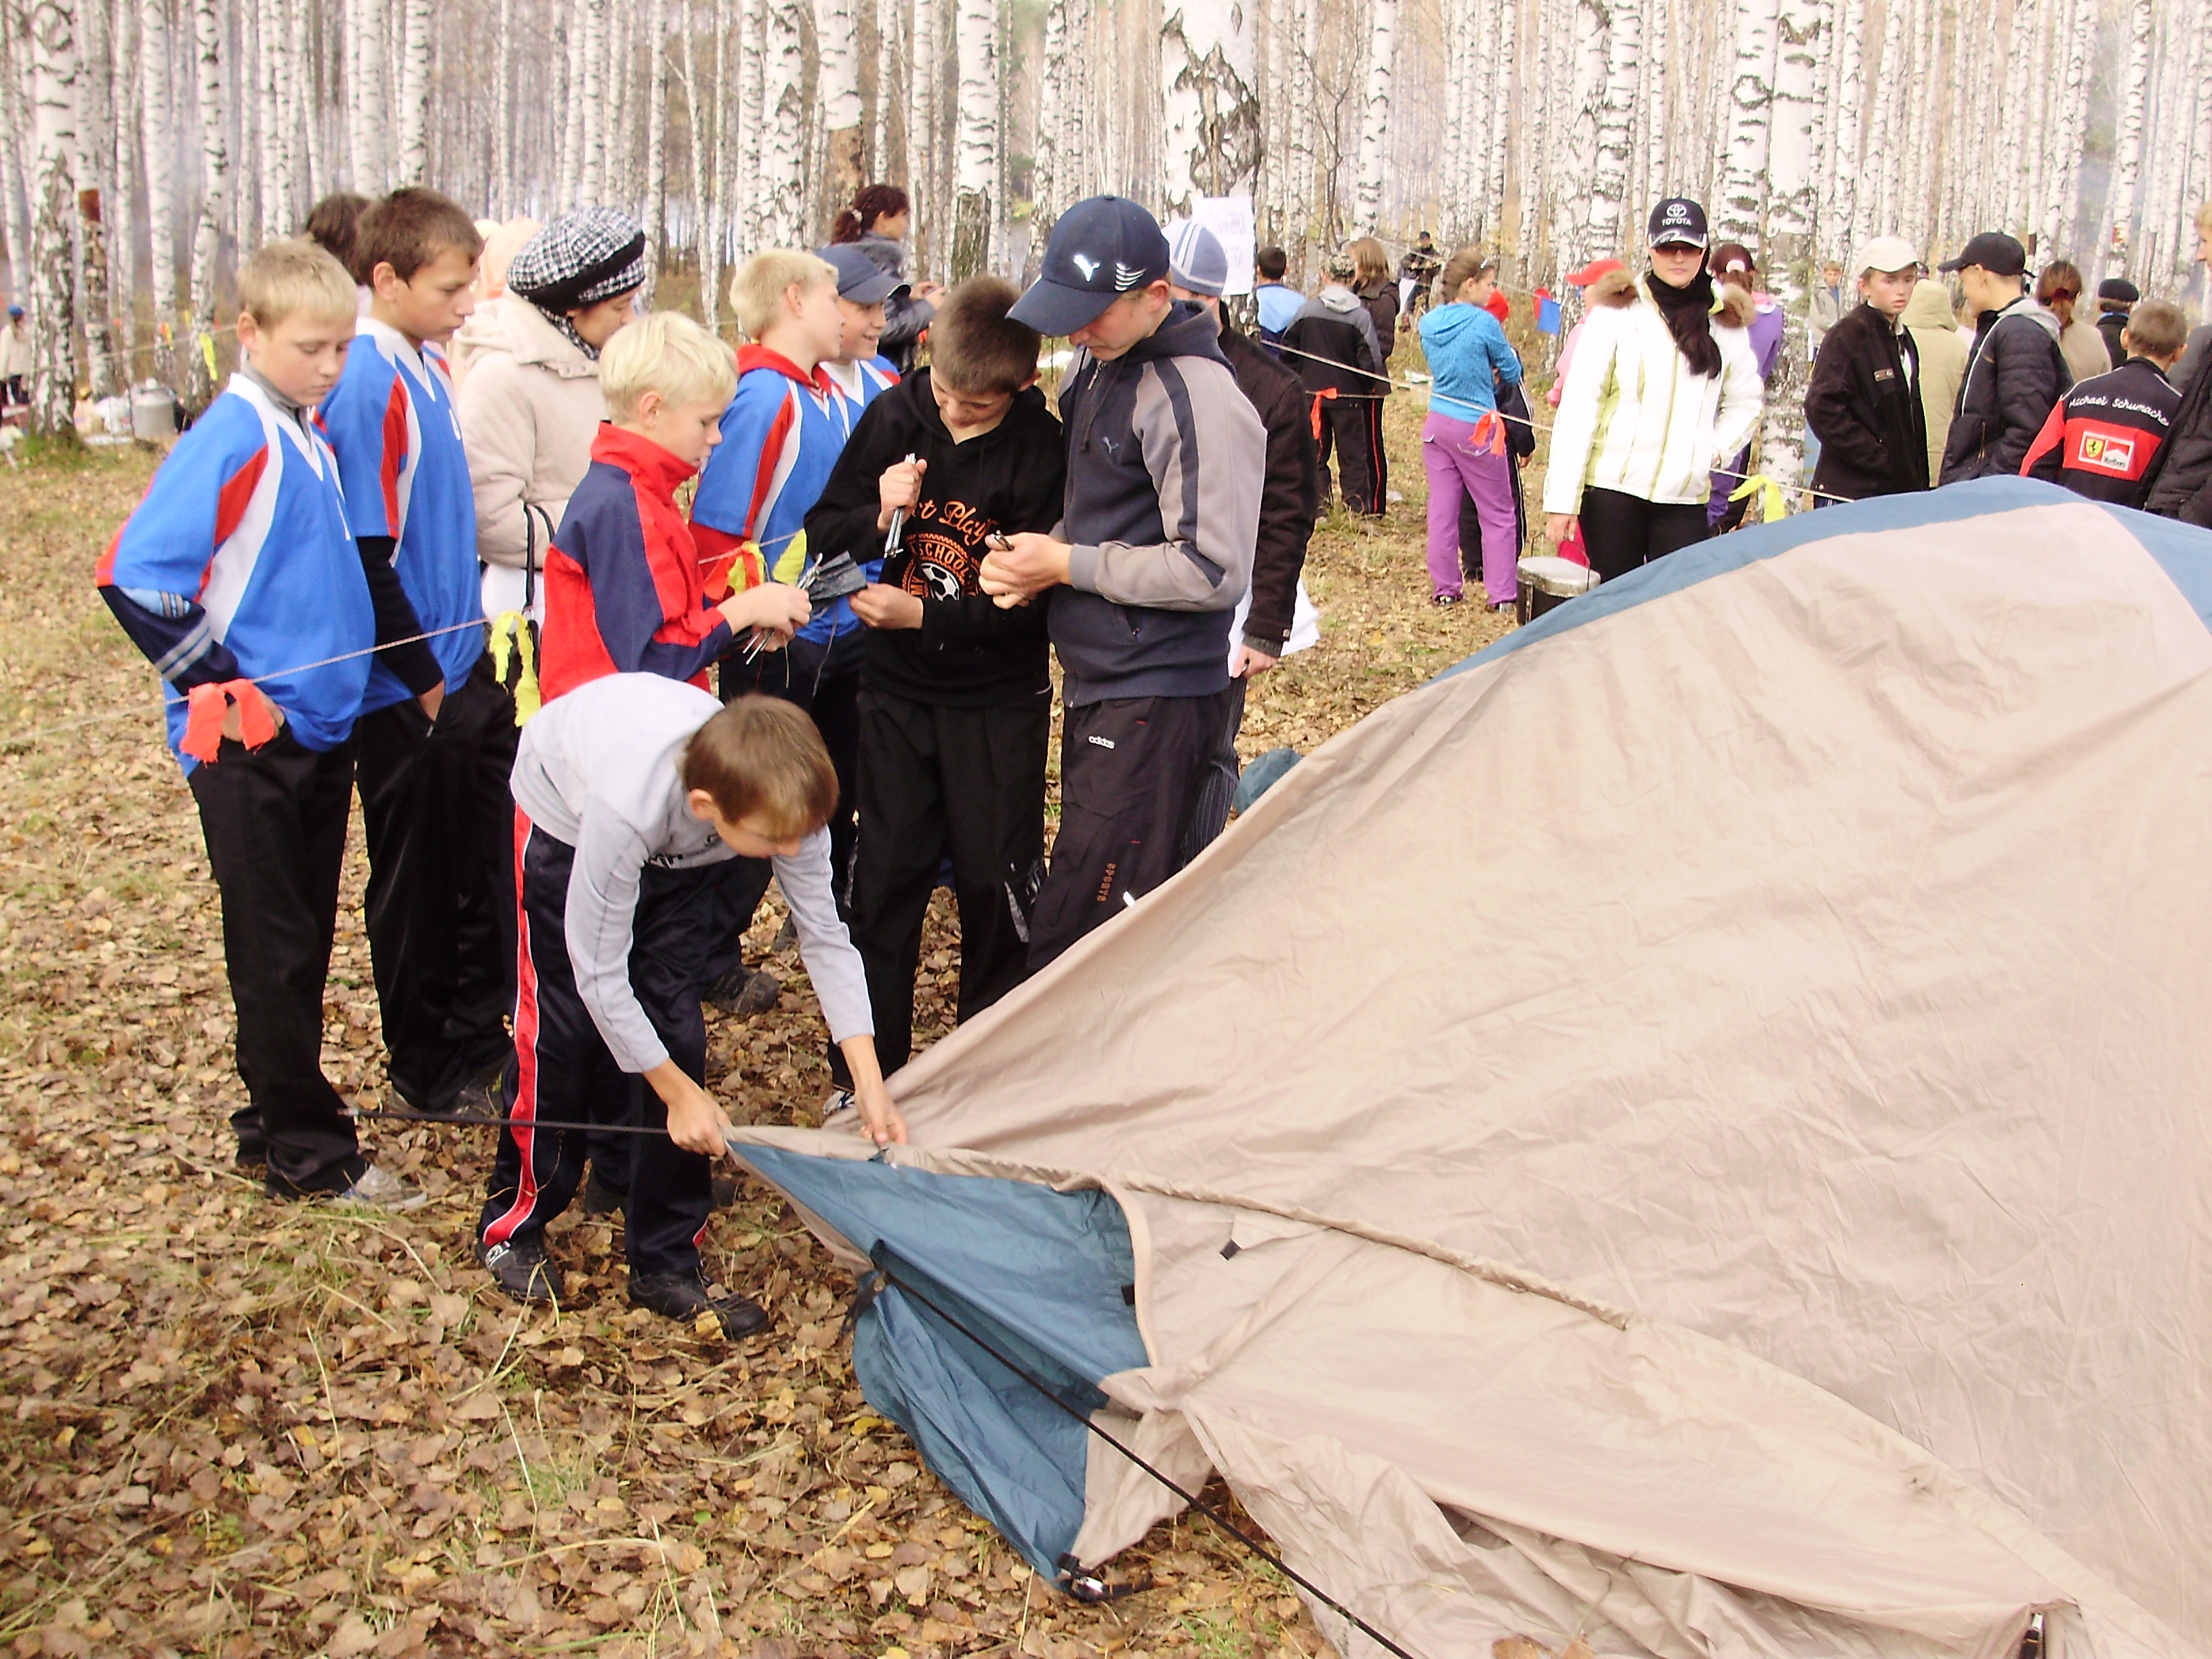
(335, 223)
(408, 230)
(293, 275)
(974, 347)
(758, 287)
(761, 757)
(2156, 328)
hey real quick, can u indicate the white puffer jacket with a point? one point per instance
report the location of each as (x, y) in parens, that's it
(530, 407)
(1634, 418)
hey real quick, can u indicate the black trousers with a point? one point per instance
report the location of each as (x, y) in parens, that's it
(561, 1071)
(938, 783)
(1623, 532)
(440, 905)
(1130, 770)
(274, 821)
(1217, 789)
(1351, 426)
(1380, 497)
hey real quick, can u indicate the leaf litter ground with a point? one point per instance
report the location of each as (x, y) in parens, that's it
(233, 1427)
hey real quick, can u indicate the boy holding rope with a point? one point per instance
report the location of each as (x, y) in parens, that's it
(239, 578)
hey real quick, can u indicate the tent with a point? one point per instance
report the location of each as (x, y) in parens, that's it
(1690, 1129)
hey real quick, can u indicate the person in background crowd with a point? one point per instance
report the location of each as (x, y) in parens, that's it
(2058, 290)
(332, 226)
(1829, 304)
(1332, 345)
(1663, 384)
(531, 405)
(1464, 445)
(864, 294)
(1416, 271)
(1371, 280)
(2015, 371)
(2181, 473)
(2102, 441)
(2116, 297)
(502, 243)
(878, 223)
(1521, 443)
(1166, 463)
(1277, 300)
(15, 360)
(1731, 263)
(1864, 401)
(1942, 354)
(1198, 269)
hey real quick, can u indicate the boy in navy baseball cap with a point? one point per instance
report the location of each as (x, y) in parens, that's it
(1102, 248)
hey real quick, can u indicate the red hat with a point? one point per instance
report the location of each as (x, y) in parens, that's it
(1496, 305)
(1595, 268)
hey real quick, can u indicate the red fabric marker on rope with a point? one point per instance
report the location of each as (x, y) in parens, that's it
(205, 708)
(1330, 393)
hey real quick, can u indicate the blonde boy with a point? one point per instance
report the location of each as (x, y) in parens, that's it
(238, 567)
(626, 590)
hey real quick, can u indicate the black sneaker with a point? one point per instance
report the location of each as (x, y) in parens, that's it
(252, 1153)
(600, 1198)
(743, 991)
(1443, 601)
(521, 1268)
(685, 1297)
(483, 1097)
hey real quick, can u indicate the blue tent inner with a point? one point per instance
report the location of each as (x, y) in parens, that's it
(980, 1271)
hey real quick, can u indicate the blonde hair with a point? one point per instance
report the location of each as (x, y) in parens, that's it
(295, 275)
(758, 287)
(762, 758)
(1371, 262)
(665, 351)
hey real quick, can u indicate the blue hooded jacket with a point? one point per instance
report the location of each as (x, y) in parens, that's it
(1466, 348)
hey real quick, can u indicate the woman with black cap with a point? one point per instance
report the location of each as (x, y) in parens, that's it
(1664, 388)
(531, 403)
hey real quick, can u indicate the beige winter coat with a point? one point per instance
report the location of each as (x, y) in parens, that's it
(1942, 362)
(530, 408)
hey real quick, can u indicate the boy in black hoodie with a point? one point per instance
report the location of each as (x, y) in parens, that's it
(956, 698)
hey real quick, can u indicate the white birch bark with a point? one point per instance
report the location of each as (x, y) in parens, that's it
(1839, 206)
(161, 145)
(591, 162)
(1494, 86)
(53, 285)
(502, 199)
(890, 29)
(1787, 250)
(570, 192)
(272, 44)
(837, 93)
(976, 41)
(1577, 157)
(724, 125)
(1211, 107)
(1741, 210)
(2127, 147)
(617, 183)
(698, 110)
(656, 143)
(1374, 115)
(1056, 115)
(782, 186)
(309, 174)
(1299, 194)
(922, 125)
(414, 95)
(2064, 206)
(16, 138)
(1616, 115)
(214, 184)
(1657, 149)
(93, 167)
(368, 111)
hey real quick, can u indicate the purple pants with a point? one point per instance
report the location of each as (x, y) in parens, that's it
(1457, 465)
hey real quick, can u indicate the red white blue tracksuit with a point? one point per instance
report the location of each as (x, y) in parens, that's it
(240, 563)
(440, 910)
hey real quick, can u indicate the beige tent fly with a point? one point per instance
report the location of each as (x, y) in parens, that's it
(1692, 1132)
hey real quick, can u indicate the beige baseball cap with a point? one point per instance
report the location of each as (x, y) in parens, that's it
(1885, 253)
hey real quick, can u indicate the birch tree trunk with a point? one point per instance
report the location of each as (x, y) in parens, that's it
(697, 115)
(2064, 207)
(1616, 120)
(922, 129)
(214, 184)
(1299, 191)
(1839, 206)
(975, 39)
(308, 173)
(1656, 148)
(591, 164)
(782, 186)
(838, 94)
(1374, 115)
(2127, 147)
(1207, 72)
(571, 189)
(502, 199)
(272, 45)
(161, 145)
(371, 108)
(15, 137)
(414, 95)
(1055, 114)
(93, 166)
(53, 285)
(1742, 206)
(1576, 155)
(1788, 248)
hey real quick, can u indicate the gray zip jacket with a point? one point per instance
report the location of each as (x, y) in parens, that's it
(1165, 461)
(597, 770)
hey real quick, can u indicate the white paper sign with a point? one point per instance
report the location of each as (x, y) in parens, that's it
(1229, 218)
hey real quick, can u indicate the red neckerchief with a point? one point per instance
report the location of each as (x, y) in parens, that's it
(759, 356)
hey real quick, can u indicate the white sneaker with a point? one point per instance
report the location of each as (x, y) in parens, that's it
(379, 1189)
(841, 1100)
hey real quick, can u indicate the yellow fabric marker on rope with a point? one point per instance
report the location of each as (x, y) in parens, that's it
(510, 631)
(1773, 504)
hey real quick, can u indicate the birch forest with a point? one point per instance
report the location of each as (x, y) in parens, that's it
(148, 141)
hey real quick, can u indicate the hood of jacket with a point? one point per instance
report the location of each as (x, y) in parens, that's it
(1732, 307)
(1929, 305)
(1188, 331)
(2029, 308)
(1445, 324)
(513, 325)
(1337, 297)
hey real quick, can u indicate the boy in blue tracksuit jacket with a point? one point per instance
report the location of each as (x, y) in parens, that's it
(239, 578)
(437, 732)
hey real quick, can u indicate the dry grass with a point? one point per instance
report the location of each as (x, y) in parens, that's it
(235, 1427)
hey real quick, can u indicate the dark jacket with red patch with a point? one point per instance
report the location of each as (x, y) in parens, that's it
(625, 590)
(2104, 435)
(1863, 404)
